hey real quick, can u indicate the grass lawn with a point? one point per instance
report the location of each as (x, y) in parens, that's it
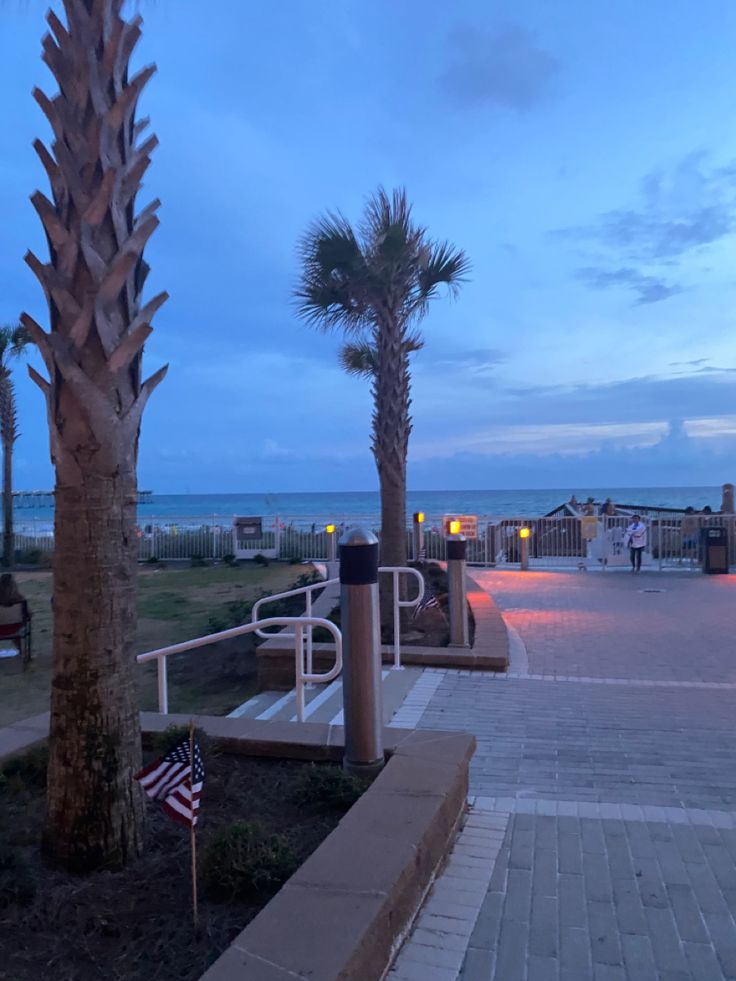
(173, 605)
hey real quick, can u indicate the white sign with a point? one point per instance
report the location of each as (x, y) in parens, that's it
(468, 524)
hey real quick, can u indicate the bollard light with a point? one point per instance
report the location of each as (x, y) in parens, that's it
(419, 517)
(524, 532)
(330, 529)
(454, 527)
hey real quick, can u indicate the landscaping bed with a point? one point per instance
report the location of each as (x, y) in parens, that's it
(136, 925)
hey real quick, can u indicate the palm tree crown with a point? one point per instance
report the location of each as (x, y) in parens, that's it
(375, 283)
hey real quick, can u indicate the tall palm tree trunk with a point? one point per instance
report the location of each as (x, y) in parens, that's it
(8, 435)
(95, 400)
(391, 430)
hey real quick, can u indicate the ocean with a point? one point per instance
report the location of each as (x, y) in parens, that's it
(351, 505)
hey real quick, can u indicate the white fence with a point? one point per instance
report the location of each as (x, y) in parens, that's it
(674, 540)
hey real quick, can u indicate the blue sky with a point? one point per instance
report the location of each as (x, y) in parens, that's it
(583, 155)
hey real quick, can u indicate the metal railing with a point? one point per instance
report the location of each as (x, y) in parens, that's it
(302, 677)
(397, 604)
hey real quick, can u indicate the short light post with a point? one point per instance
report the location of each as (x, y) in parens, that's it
(417, 529)
(524, 534)
(361, 652)
(456, 579)
(331, 543)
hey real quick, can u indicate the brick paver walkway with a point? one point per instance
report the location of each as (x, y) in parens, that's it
(615, 786)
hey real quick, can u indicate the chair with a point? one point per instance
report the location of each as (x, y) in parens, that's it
(15, 625)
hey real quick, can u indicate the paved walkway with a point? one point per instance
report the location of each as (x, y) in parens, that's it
(602, 839)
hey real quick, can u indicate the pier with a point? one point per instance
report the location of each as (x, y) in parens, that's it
(45, 498)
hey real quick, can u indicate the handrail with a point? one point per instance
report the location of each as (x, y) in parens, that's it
(398, 604)
(396, 571)
(307, 590)
(302, 676)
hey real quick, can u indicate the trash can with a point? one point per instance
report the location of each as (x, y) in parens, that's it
(714, 548)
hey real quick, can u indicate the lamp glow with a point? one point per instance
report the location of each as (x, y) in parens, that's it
(455, 527)
(419, 517)
(330, 529)
(524, 532)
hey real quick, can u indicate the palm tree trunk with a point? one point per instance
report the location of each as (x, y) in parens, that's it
(94, 400)
(391, 429)
(8, 550)
(94, 807)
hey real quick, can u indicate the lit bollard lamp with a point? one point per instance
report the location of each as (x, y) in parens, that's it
(418, 536)
(524, 534)
(331, 543)
(456, 579)
(361, 652)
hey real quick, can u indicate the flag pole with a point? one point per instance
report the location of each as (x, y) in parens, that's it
(195, 910)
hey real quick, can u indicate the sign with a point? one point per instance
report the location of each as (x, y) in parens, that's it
(468, 524)
(589, 527)
(248, 529)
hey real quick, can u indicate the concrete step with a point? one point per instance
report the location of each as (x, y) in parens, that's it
(323, 703)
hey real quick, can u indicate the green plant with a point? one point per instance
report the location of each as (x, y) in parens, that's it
(17, 884)
(243, 858)
(198, 561)
(233, 615)
(330, 786)
(261, 559)
(152, 560)
(229, 559)
(30, 768)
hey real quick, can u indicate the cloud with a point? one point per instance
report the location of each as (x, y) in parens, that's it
(648, 289)
(680, 212)
(695, 363)
(504, 68)
(477, 361)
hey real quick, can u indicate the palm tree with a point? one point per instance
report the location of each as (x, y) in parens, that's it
(94, 399)
(12, 342)
(375, 283)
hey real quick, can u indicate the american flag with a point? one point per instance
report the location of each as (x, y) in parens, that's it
(171, 781)
(428, 600)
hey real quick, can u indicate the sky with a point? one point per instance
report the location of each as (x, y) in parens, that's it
(584, 157)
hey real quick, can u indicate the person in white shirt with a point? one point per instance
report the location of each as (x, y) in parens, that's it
(636, 539)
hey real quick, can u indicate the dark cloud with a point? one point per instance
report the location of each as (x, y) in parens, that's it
(680, 212)
(648, 289)
(504, 67)
(695, 363)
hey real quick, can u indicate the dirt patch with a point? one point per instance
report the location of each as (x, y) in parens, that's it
(136, 925)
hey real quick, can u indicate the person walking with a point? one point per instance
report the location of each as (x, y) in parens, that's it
(636, 540)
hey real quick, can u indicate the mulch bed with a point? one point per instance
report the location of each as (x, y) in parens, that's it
(136, 925)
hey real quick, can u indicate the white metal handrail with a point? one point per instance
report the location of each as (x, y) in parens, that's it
(302, 676)
(307, 590)
(398, 603)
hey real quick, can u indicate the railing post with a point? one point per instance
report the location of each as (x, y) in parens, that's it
(163, 686)
(417, 529)
(299, 678)
(456, 548)
(360, 624)
(395, 597)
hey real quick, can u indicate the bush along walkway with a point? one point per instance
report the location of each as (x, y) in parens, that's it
(602, 826)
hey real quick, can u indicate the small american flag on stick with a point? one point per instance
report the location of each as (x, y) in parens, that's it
(428, 600)
(176, 779)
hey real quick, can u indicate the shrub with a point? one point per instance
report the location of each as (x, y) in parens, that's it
(198, 561)
(229, 559)
(233, 615)
(17, 884)
(331, 787)
(152, 560)
(261, 559)
(33, 556)
(244, 858)
(30, 768)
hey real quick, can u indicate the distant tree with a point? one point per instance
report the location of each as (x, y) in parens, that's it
(375, 283)
(95, 397)
(13, 340)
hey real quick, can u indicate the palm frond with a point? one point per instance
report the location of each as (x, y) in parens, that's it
(443, 264)
(358, 359)
(331, 290)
